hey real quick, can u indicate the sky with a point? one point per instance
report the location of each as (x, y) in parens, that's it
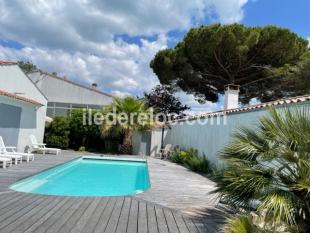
(111, 42)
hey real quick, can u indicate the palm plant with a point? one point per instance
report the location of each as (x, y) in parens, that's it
(268, 172)
(122, 117)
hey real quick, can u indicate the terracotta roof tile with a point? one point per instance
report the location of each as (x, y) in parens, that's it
(159, 125)
(21, 98)
(7, 62)
(291, 100)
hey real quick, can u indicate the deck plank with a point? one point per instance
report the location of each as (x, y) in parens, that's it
(161, 220)
(201, 226)
(66, 216)
(123, 219)
(28, 219)
(94, 219)
(142, 218)
(113, 221)
(191, 225)
(133, 217)
(151, 219)
(7, 206)
(105, 216)
(45, 217)
(87, 215)
(8, 200)
(52, 219)
(172, 226)
(72, 221)
(180, 222)
(17, 210)
(7, 197)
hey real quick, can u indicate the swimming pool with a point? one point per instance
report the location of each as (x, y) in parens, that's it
(89, 177)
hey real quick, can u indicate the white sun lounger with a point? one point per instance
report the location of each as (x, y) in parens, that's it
(11, 150)
(5, 162)
(40, 147)
(16, 158)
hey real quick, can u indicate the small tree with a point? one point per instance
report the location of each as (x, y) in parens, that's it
(115, 122)
(162, 100)
(57, 132)
(210, 57)
(83, 134)
(27, 66)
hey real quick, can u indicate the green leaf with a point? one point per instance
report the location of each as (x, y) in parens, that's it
(240, 224)
(279, 206)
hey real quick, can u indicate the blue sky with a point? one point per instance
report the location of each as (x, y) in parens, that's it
(294, 15)
(111, 42)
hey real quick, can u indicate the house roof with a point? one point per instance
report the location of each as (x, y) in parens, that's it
(7, 62)
(73, 83)
(160, 125)
(20, 98)
(2, 62)
(286, 101)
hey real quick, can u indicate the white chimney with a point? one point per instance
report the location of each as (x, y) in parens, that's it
(231, 96)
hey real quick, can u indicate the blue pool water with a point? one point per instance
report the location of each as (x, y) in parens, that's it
(89, 177)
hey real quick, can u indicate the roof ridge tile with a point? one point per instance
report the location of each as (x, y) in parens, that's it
(15, 96)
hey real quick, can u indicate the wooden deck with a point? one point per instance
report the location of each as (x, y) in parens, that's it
(23, 212)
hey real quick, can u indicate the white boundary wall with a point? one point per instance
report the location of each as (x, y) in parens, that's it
(210, 138)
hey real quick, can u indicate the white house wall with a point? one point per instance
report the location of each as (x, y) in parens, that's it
(141, 142)
(29, 124)
(156, 138)
(61, 91)
(13, 80)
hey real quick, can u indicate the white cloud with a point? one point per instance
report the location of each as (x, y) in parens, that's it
(86, 24)
(120, 94)
(125, 69)
(197, 108)
(227, 11)
(77, 37)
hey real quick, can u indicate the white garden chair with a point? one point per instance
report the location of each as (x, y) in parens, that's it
(11, 151)
(165, 152)
(5, 162)
(40, 147)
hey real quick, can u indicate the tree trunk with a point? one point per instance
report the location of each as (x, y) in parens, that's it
(126, 147)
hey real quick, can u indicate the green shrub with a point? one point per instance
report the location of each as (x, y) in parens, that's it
(57, 133)
(175, 157)
(82, 149)
(191, 159)
(85, 135)
(199, 164)
(183, 155)
(71, 132)
(57, 141)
